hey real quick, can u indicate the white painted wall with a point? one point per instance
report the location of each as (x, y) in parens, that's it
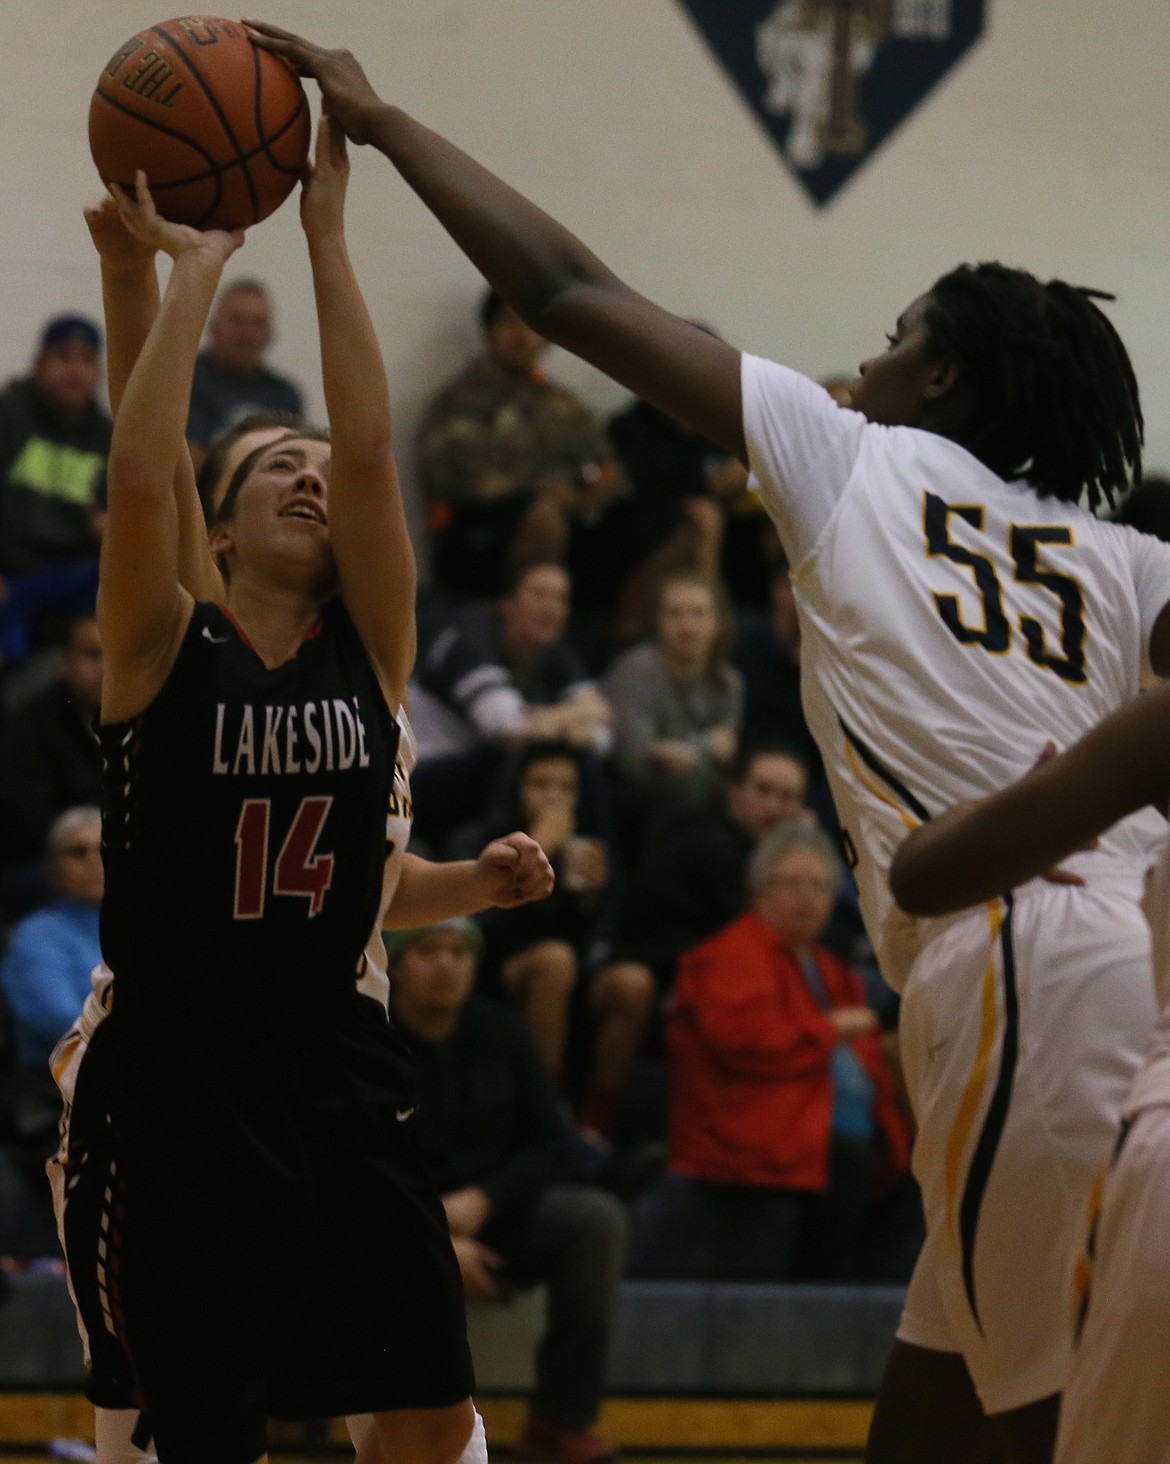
(1048, 147)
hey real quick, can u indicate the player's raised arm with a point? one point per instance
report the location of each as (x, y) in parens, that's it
(546, 274)
(131, 299)
(367, 522)
(142, 606)
(980, 850)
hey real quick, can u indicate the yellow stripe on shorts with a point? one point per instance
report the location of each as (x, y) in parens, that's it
(977, 1080)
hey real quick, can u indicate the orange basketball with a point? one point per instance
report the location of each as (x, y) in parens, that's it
(220, 127)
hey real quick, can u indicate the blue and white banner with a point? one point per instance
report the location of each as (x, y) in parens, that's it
(831, 79)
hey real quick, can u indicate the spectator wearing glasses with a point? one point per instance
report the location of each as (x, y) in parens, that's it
(785, 1125)
(45, 975)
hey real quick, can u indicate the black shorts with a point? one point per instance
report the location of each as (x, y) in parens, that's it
(240, 1275)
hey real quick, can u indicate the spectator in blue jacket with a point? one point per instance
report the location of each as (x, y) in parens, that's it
(45, 971)
(45, 978)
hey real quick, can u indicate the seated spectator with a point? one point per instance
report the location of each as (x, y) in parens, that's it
(766, 653)
(506, 458)
(231, 380)
(785, 1123)
(496, 677)
(490, 1127)
(535, 953)
(54, 440)
(692, 877)
(49, 761)
(44, 976)
(674, 470)
(677, 701)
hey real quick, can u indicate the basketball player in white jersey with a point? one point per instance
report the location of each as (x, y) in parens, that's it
(958, 609)
(1116, 1407)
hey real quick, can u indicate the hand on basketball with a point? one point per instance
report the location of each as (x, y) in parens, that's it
(121, 252)
(323, 193)
(346, 94)
(514, 871)
(148, 226)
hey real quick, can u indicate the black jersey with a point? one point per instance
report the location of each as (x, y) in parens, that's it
(239, 1117)
(244, 820)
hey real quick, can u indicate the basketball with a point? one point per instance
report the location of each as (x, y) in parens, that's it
(220, 127)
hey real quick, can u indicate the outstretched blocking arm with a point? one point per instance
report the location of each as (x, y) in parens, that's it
(546, 274)
(143, 609)
(979, 850)
(367, 521)
(131, 299)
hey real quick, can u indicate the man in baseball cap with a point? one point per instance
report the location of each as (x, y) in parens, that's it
(54, 440)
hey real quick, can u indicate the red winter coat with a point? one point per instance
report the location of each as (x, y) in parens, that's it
(751, 1090)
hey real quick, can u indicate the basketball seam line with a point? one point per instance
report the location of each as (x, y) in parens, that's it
(265, 141)
(215, 171)
(217, 109)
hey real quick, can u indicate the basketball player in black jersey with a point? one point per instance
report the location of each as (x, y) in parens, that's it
(509, 871)
(246, 1228)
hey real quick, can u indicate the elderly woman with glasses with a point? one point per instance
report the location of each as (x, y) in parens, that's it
(785, 1124)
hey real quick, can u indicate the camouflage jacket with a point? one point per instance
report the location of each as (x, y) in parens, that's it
(489, 434)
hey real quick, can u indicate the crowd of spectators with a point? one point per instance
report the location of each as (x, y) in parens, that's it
(610, 660)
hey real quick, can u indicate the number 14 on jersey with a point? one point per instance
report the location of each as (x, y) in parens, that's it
(297, 870)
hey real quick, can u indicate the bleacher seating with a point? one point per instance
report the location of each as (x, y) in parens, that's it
(673, 1338)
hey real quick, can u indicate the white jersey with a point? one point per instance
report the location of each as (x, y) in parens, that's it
(399, 819)
(1151, 1088)
(951, 622)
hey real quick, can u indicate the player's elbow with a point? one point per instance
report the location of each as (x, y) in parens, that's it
(572, 301)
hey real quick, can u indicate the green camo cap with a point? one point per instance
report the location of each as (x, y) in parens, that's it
(399, 940)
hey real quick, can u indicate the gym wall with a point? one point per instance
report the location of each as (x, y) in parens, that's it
(1047, 147)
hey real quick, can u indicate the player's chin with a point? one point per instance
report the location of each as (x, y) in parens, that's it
(306, 542)
(310, 569)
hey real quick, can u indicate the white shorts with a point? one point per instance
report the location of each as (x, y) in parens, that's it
(1116, 1408)
(1022, 1028)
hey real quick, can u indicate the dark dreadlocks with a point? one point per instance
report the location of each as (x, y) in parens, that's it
(1055, 399)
